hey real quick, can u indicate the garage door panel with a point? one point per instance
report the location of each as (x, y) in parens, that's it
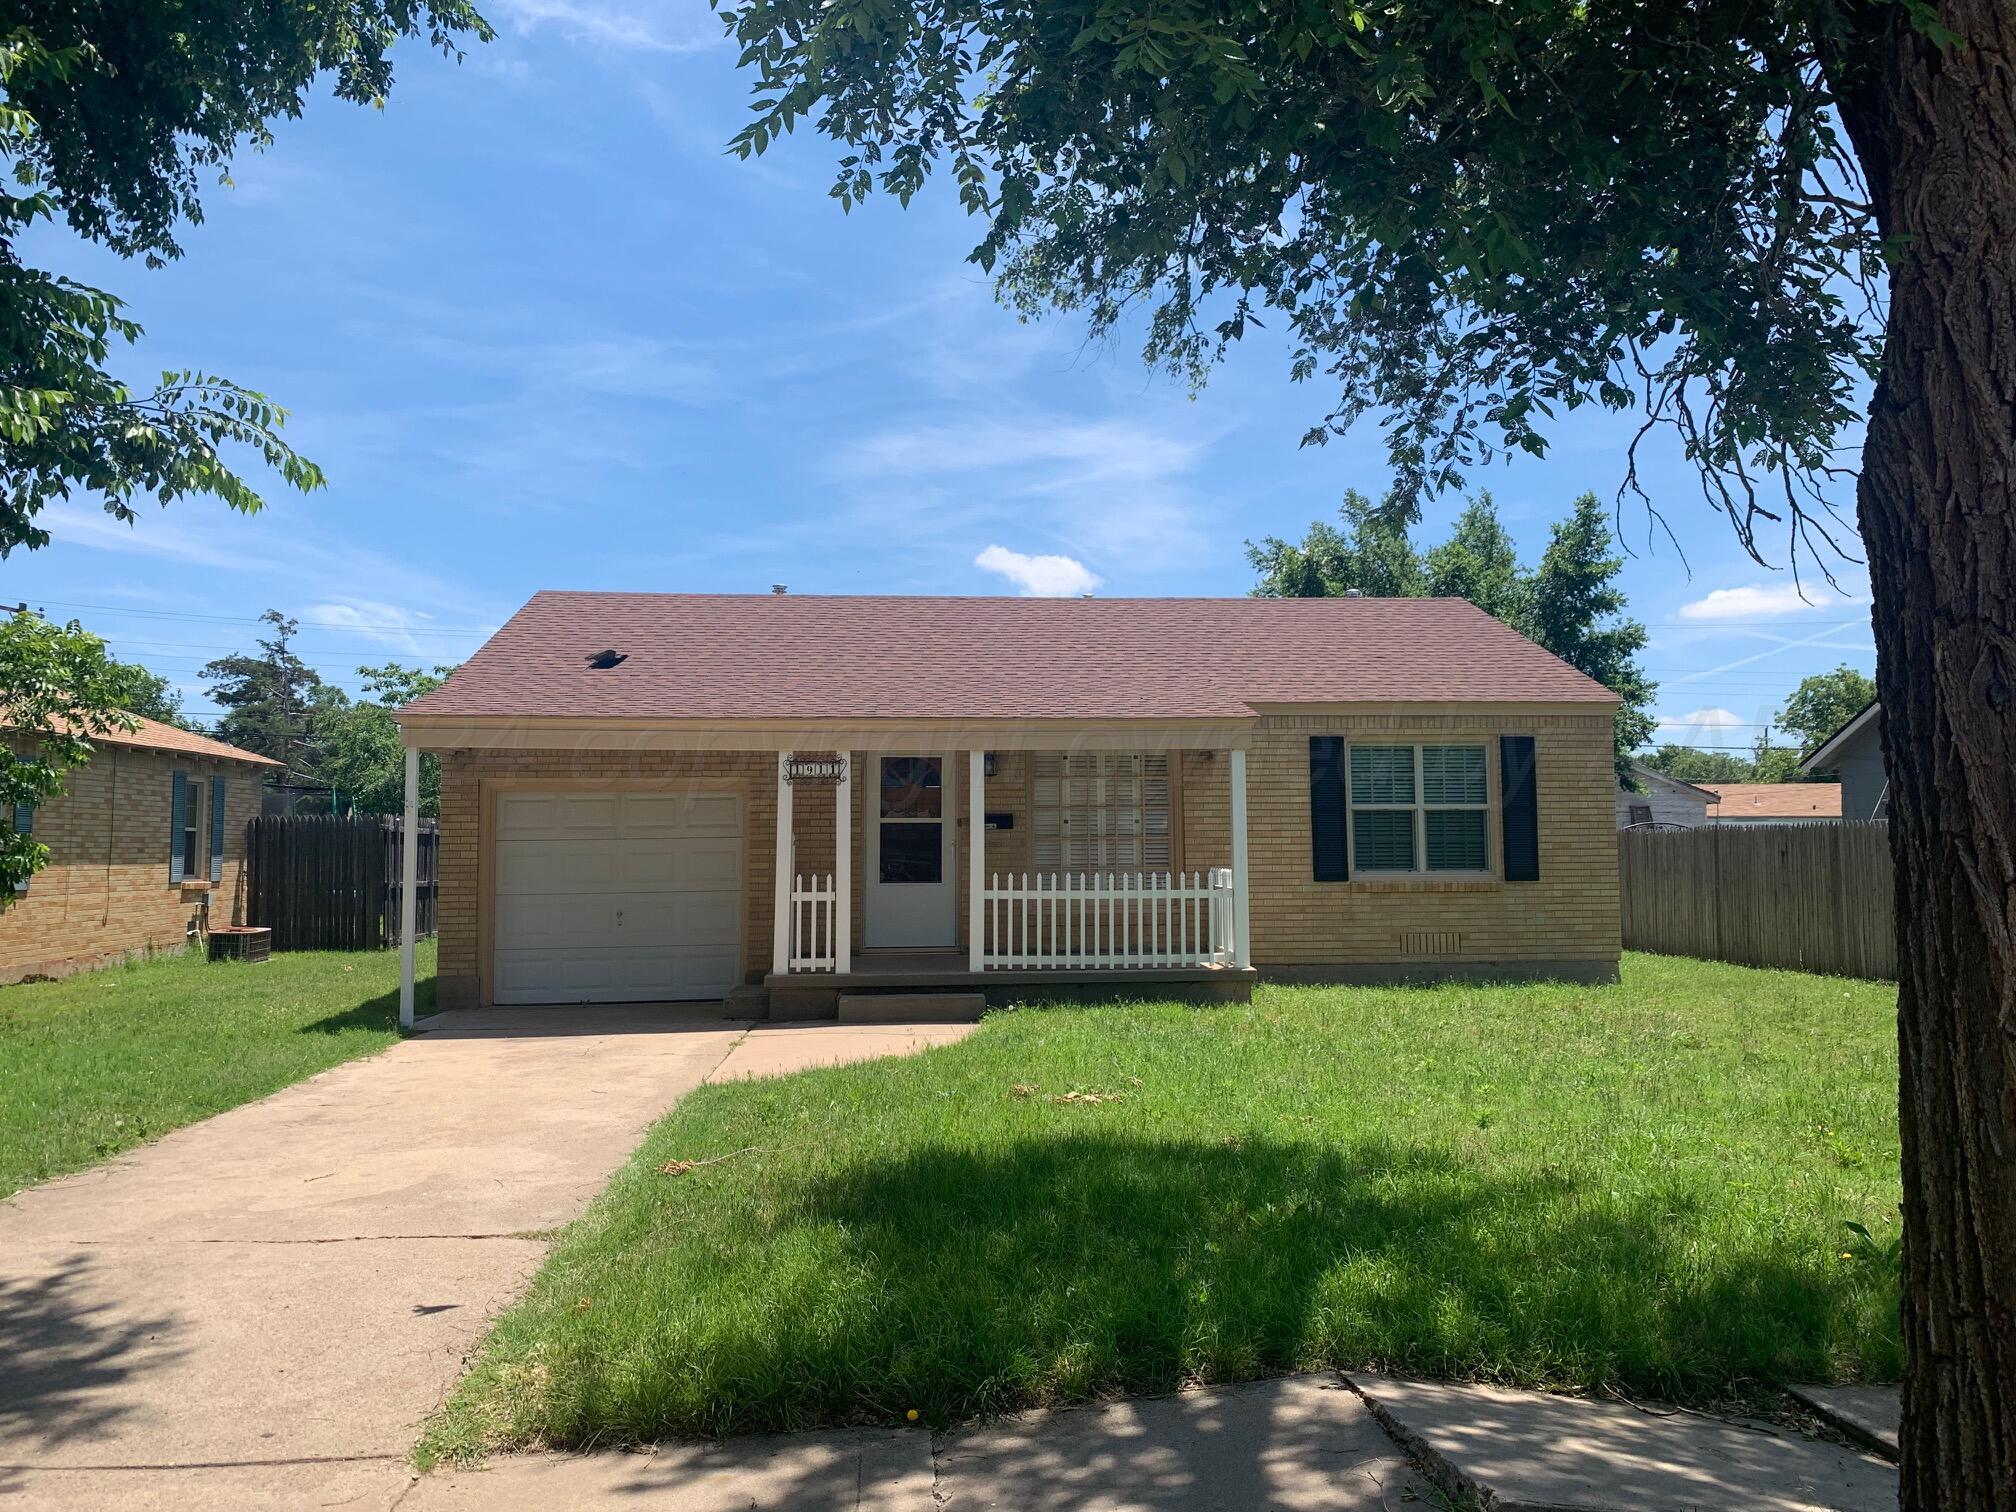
(689, 814)
(544, 816)
(617, 897)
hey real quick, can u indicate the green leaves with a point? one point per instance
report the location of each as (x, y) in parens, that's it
(109, 116)
(1470, 215)
(60, 689)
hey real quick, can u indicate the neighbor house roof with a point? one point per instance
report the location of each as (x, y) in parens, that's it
(1737, 801)
(791, 656)
(1654, 775)
(153, 735)
(1832, 748)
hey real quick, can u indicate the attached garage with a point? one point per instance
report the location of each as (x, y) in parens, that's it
(617, 897)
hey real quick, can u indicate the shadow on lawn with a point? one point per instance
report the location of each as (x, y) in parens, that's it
(972, 1281)
(381, 1012)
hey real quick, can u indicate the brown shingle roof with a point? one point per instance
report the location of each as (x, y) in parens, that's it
(1737, 801)
(767, 656)
(156, 736)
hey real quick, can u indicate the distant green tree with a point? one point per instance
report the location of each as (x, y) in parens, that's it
(1824, 702)
(1570, 603)
(1702, 768)
(1576, 610)
(1479, 562)
(274, 703)
(152, 696)
(363, 761)
(1371, 554)
(60, 689)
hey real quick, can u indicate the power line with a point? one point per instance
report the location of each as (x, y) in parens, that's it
(237, 619)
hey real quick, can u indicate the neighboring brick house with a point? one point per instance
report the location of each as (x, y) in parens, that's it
(145, 847)
(1184, 792)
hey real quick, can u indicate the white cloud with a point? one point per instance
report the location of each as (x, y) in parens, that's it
(387, 624)
(1756, 601)
(621, 24)
(1700, 723)
(1039, 576)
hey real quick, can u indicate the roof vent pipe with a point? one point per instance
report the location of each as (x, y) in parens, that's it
(1354, 593)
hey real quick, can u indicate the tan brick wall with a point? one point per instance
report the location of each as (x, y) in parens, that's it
(105, 895)
(1570, 915)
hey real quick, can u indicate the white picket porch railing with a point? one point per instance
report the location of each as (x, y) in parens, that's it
(813, 908)
(1110, 920)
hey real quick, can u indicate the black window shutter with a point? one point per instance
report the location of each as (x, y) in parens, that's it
(178, 820)
(1327, 846)
(216, 829)
(1519, 806)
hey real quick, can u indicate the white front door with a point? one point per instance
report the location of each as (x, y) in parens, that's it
(908, 834)
(615, 897)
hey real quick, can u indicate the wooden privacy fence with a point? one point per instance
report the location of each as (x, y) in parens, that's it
(1809, 897)
(331, 882)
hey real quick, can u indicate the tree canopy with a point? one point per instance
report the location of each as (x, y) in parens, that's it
(1824, 702)
(111, 115)
(1469, 217)
(1570, 603)
(364, 763)
(60, 688)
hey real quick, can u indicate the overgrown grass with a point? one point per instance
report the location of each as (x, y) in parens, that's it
(105, 1060)
(1642, 1186)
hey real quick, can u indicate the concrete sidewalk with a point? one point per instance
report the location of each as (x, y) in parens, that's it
(261, 1310)
(1305, 1443)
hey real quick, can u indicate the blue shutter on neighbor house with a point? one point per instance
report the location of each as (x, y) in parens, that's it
(24, 824)
(216, 829)
(178, 820)
(1328, 849)
(1519, 806)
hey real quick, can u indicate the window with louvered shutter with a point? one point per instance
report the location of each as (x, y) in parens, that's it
(1101, 811)
(1419, 808)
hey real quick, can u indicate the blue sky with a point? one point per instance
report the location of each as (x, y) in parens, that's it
(541, 332)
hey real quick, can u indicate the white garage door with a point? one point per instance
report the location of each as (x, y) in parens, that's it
(617, 897)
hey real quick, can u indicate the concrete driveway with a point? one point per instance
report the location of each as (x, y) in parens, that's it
(261, 1309)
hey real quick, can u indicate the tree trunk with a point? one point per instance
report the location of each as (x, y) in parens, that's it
(1935, 130)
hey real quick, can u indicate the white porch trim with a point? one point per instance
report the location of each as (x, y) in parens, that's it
(780, 923)
(976, 855)
(843, 866)
(1242, 949)
(409, 879)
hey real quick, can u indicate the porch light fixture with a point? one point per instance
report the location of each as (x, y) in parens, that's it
(990, 763)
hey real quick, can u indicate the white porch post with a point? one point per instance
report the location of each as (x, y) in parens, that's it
(780, 941)
(1242, 909)
(843, 867)
(409, 872)
(976, 860)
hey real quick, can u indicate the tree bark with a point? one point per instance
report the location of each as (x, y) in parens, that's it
(1935, 129)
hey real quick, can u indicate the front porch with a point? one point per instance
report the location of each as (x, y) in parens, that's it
(1170, 930)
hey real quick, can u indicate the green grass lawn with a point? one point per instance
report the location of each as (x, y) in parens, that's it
(1642, 1186)
(105, 1060)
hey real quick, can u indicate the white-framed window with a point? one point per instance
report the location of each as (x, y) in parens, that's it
(1419, 808)
(1100, 811)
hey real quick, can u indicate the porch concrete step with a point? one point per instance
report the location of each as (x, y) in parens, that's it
(911, 1007)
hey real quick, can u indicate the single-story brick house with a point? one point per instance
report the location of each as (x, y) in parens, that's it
(1187, 792)
(146, 846)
